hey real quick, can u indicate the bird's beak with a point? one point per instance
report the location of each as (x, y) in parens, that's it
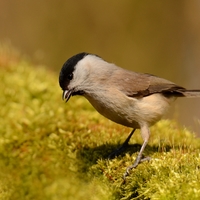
(66, 95)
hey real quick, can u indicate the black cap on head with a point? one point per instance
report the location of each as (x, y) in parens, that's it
(68, 68)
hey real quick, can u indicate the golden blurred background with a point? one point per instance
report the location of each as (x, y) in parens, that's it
(157, 37)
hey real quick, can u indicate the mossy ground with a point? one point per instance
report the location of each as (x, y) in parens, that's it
(52, 150)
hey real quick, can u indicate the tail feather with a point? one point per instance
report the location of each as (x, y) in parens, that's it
(191, 93)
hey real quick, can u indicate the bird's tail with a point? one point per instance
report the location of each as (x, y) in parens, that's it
(191, 93)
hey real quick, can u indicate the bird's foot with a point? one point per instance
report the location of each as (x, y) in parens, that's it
(135, 164)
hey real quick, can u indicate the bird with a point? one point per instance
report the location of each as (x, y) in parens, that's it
(132, 99)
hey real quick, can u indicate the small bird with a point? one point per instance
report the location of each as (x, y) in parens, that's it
(135, 100)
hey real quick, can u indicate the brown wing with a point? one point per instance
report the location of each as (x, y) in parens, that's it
(140, 85)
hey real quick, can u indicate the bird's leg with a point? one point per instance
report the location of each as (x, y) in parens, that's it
(145, 135)
(122, 147)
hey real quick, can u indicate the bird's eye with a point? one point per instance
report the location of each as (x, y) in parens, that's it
(70, 76)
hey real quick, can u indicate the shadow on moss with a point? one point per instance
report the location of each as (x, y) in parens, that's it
(89, 156)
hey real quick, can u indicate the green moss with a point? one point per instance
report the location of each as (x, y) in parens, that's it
(52, 150)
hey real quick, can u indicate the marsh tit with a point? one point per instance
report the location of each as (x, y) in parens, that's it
(128, 98)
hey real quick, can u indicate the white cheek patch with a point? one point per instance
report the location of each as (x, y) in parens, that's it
(81, 73)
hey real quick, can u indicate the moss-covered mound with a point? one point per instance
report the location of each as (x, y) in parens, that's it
(52, 150)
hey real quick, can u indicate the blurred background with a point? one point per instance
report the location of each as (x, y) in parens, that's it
(157, 37)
